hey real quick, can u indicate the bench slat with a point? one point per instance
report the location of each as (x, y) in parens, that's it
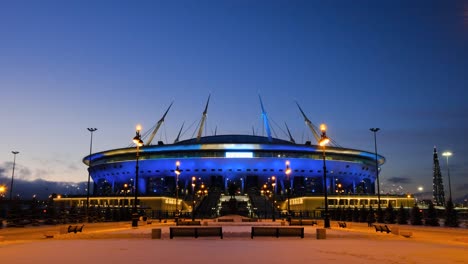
(277, 231)
(195, 231)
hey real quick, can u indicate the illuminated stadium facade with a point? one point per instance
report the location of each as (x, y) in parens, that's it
(247, 160)
(252, 166)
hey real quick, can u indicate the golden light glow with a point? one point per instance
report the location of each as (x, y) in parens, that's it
(288, 169)
(2, 189)
(273, 178)
(194, 178)
(323, 127)
(324, 141)
(138, 127)
(177, 163)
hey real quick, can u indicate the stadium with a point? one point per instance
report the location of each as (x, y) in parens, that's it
(249, 175)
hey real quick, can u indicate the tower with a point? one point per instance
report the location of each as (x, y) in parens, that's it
(437, 184)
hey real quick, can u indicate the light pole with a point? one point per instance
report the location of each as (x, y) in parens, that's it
(287, 171)
(177, 172)
(2, 191)
(447, 154)
(379, 209)
(193, 197)
(89, 171)
(138, 142)
(13, 174)
(323, 142)
(273, 184)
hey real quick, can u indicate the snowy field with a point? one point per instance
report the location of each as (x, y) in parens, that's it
(120, 243)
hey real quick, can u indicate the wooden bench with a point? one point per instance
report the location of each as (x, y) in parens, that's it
(195, 232)
(75, 229)
(276, 231)
(301, 222)
(188, 223)
(379, 228)
(342, 224)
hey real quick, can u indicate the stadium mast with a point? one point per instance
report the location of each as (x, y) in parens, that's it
(312, 127)
(265, 120)
(289, 132)
(158, 125)
(178, 135)
(202, 124)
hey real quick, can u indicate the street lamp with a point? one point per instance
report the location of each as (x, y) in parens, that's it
(447, 154)
(287, 171)
(138, 142)
(177, 172)
(273, 184)
(13, 174)
(89, 171)
(193, 197)
(324, 140)
(2, 191)
(379, 209)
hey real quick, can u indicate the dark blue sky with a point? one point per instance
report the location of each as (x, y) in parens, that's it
(397, 65)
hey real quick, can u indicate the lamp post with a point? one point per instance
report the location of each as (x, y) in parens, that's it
(138, 142)
(379, 209)
(89, 171)
(263, 192)
(13, 174)
(273, 184)
(193, 197)
(2, 191)
(287, 171)
(323, 142)
(447, 154)
(177, 172)
(126, 190)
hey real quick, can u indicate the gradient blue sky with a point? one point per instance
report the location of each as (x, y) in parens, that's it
(397, 65)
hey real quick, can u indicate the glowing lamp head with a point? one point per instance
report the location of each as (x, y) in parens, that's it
(138, 128)
(447, 154)
(288, 169)
(323, 127)
(324, 141)
(177, 170)
(194, 178)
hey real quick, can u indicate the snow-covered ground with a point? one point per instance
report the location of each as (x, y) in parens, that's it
(120, 243)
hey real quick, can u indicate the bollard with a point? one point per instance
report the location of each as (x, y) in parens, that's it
(321, 233)
(156, 233)
(395, 230)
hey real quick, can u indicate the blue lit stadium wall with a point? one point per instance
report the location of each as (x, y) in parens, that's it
(247, 160)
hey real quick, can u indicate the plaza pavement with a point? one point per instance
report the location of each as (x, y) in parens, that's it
(120, 243)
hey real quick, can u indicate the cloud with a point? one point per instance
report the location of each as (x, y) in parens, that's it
(399, 180)
(42, 188)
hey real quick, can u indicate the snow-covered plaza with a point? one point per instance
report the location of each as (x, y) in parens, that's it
(120, 243)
